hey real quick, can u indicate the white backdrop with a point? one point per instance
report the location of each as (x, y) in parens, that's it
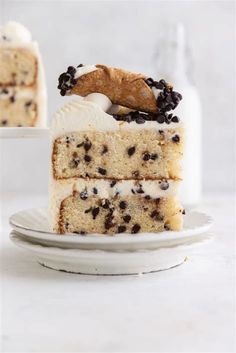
(124, 33)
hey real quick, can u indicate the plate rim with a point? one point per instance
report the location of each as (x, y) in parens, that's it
(101, 238)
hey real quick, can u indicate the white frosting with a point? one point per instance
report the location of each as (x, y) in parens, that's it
(14, 33)
(82, 115)
(83, 70)
(60, 189)
(100, 99)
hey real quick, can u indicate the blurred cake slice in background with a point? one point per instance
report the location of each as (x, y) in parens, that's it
(22, 81)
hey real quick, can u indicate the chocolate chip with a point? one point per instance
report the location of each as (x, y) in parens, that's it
(167, 227)
(95, 212)
(121, 229)
(4, 122)
(183, 212)
(27, 104)
(135, 173)
(88, 210)
(87, 145)
(132, 190)
(140, 190)
(147, 197)
(71, 70)
(164, 185)
(154, 156)
(131, 151)
(109, 222)
(74, 162)
(176, 138)
(123, 205)
(105, 203)
(80, 65)
(113, 183)
(105, 149)
(156, 216)
(149, 81)
(175, 119)
(80, 144)
(84, 195)
(95, 190)
(87, 158)
(160, 118)
(102, 171)
(135, 229)
(5, 91)
(127, 218)
(140, 120)
(12, 99)
(146, 156)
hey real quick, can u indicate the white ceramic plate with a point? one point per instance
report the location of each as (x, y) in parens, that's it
(99, 262)
(23, 132)
(34, 227)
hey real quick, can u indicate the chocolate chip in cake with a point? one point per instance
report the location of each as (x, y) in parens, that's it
(167, 226)
(84, 195)
(140, 190)
(127, 218)
(74, 162)
(109, 222)
(95, 191)
(87, 158)
(113, 183)
(146, 156)
(121, 229)
(154, 156)
(95, 212)
(132, 190)
(147, 197)
(27, 104)
(164, 185)
(4, 122)
(123, 205)
(104, 149)
(131, 150)
(156, 216)
(88, 210)
(12, 99)
(135, 173)
(102, 171)
(136, 228)
(87, 145)
(176, 138)
(80, 144)
(105, 203)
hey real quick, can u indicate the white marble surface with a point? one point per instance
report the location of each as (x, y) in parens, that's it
(190, 308)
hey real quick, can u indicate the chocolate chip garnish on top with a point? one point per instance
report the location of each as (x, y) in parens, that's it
(67, 79)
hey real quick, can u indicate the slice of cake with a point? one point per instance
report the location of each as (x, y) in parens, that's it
(114, 173)
(22, 82)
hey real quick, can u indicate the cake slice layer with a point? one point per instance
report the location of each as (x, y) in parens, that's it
(121, 154)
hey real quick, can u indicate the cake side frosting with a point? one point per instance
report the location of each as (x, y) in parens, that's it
(81, 115)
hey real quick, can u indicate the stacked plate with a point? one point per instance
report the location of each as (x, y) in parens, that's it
(104, 254)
